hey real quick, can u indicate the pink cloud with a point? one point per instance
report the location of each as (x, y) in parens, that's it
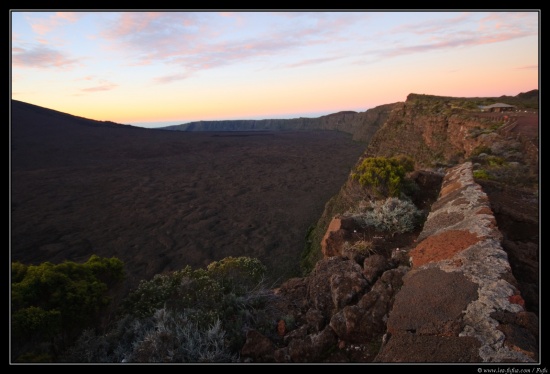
(221, 54)
(158, 35)
(499, 17)
(171, 78)
(41, 57)
(102, 87)
(313, 61)
(431, 26)
(44, 26)
(69, 16)
(184, 40)
(87, 78)
(451, 33)
(443, 37)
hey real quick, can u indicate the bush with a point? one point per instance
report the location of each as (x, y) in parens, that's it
(384, 176)
(237, 274)
(495, 161)
(188, 289)
(394, 216)
(51, 304)
(481, 174)
(167, 337)
(172, 337)
(186, 316)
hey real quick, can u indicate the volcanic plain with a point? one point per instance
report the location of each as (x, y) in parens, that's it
(160, 200)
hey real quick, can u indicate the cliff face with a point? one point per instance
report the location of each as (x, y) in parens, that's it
(439, 132)
(451, 297)
(361, 125)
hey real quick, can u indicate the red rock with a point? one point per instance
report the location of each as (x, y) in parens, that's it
(517, 299)
(281, 328)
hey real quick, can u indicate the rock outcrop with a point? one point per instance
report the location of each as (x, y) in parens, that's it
(436, 131)
(439, 132)
(451, 297)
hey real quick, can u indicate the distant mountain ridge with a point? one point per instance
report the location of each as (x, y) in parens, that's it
(361, 125)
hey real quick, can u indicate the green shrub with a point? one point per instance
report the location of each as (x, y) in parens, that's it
(481, 174)
(384, 176)
(495, 161)
(237, 274)
(193, 290)
(51, 304)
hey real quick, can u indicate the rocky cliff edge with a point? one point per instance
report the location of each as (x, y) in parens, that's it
(450, 298)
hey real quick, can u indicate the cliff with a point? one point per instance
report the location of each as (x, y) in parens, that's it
(450, 297)
(361, 125)
(448, 292)
(440, 132)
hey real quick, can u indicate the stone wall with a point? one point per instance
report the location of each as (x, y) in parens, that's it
(460, 301)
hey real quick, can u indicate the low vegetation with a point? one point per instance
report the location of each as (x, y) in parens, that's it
(501, 168)
(366, 195)
(360, 247)
(392, 215)
(189, 315)
(384, 176)
(51, 304)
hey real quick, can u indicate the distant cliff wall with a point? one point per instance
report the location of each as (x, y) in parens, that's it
(361, 126)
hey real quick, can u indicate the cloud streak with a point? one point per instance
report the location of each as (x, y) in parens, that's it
(450, 40)
(102, 87)
(170, 78)
(453, 32)
(41, 57)
(45, 26)
(314, 61)
(186, 41)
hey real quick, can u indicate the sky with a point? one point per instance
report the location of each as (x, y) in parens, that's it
(158, 68)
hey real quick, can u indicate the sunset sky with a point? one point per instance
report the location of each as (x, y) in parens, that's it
(163, 68)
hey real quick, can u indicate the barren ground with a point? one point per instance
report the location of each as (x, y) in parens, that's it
(161, 200)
